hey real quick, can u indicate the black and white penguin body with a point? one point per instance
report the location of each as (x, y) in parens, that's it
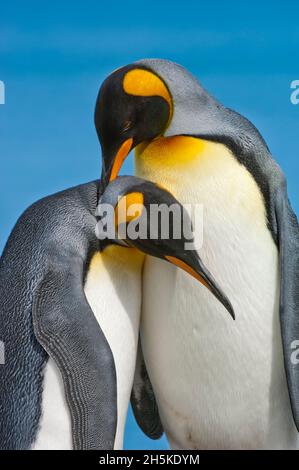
(70, 313)
(41, 281)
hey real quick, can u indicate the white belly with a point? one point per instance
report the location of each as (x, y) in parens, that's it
(220, 384)
(113, 290)
(55, 432)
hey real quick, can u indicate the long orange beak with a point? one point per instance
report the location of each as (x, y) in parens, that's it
(185, 267)
(196, 268)
(120, 157)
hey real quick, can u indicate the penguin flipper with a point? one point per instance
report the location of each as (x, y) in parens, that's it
(288, 241)
(65, 326)
(143, 400)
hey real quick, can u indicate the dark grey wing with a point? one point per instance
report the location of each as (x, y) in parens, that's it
(65, 326)
(288, 241)
(43, 308)
(143, 400)
(22, 359)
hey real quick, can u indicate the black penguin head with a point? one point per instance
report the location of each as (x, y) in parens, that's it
(142, 215)
(134, 105)
(153, 98)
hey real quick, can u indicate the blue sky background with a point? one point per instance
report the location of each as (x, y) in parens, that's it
(54, 55)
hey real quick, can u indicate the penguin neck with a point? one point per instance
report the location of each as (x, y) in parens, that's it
(195, 170)
(174, 161)
(113, 255)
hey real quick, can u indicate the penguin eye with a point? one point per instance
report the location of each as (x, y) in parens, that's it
(126, 127)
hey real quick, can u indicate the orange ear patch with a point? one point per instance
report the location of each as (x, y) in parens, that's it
(141, 82)
(128, 208)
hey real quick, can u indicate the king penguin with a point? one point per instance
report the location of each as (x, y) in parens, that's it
(218, 384)
(70, 309)
(58, 382)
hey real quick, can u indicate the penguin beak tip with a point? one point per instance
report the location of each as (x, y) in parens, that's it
(231, 311)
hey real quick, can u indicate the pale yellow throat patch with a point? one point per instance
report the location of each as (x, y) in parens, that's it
(113, 256)
(199, 171)
(180, 154)
(177, 150)
(175, 161)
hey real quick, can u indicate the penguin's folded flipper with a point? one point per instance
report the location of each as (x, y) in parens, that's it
(288, 241)
(143, 401)
(65, 326)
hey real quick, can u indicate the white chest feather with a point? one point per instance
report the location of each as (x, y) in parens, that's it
(219, 383)
(113, 289)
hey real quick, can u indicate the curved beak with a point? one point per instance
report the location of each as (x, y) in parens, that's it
(192, 264)
(113, 160)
